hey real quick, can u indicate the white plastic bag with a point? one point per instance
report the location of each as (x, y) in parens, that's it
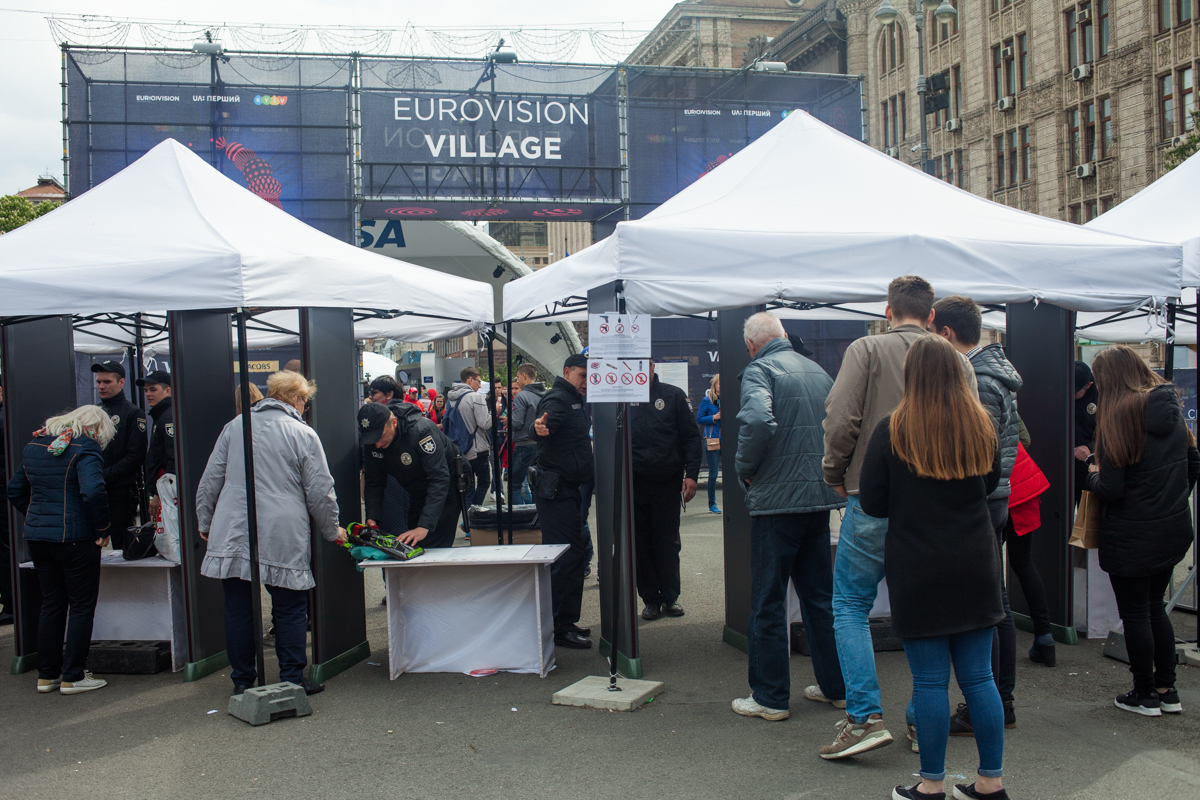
(166, 533)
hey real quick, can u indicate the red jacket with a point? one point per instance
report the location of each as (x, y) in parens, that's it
(1027, 483)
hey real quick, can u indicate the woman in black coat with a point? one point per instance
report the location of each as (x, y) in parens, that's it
(1147, 464)
(929, 468)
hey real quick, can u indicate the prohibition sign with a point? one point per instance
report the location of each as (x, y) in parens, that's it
(626, 379)
(620, 329)
(604, 327)
(641, 379)
(595, 378)
(611, 377)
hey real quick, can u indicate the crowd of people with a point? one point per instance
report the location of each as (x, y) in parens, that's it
(917, 442)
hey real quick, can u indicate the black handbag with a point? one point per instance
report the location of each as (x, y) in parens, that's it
(141, 543)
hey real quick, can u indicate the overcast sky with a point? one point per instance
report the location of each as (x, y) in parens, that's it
(30, 62)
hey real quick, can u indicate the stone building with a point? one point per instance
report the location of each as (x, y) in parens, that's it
(713, 33)
(1059, 107)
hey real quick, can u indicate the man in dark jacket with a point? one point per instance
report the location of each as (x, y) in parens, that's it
(522, 417)
(565, 461)
(399, 442)
(958, 320)
(666, 448)
(160, 459)
(779, 451)
(126, 453)
(1086, 398)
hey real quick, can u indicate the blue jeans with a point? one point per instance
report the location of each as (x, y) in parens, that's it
(929, 660)
(522, 459)
(856, 577)
(792, 546)
(714, 467)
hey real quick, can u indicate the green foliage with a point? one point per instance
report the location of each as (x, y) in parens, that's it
(16, 211)
(1191, 143)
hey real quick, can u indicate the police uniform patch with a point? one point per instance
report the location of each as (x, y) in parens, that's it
(406, 458)
(141, 425)
(170, 428)
(660, 404)
(428, 445)
(377, 454)
(116, 418)
(366, 423)
(1091, 408)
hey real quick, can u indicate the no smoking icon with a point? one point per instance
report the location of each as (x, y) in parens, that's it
(611, 378)
(626, 379)
(641, 378)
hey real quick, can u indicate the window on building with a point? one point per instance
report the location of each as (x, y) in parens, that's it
(1091, 210)
(883, 116)
(903, 118)
(1164, 15)
(1166, 108)
(892, 54)
(1072, 41)
(1187, 99)
(937, 168)
(1012, 158)
(1023, 60)
(1073, 136)
(1026, 155)
(948, 173)
(895, 121)
(1001, 172)
(1106, 204)
(998, 72)
(940, 32)
(1106, 128)
(956, 91)
(1102, 27)
(1183, 11)
(961, 167)
(1010, 68)
(1089, 132)
(1085, 34)
(1075, 214)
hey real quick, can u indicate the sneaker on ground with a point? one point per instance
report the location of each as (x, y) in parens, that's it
(46, 685)
(854, 738)
(912, 738)
(86, 685)
(713, 509)
(1010, 714)
(815, 693)
(749, 707)
(960, 723)
(964, 792)
(1168, 701)
(1147, 705)
(914, 793)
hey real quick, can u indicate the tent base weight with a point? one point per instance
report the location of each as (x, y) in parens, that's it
(262, 704)
(592, 692)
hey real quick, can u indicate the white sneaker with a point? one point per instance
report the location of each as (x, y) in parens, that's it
(45, 685)
(749, 707)
(815, 693)
(86, 685)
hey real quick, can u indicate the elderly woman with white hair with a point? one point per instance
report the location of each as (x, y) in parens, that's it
(59, 487)
(291, 484)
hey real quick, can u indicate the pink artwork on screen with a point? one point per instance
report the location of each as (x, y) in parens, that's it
(260, 179)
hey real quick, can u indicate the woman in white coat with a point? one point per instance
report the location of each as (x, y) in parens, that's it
(291, 484)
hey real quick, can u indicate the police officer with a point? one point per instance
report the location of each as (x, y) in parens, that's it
(399, 442)
(666, 450)
(564, 462)
(125, 454)
(160, 459)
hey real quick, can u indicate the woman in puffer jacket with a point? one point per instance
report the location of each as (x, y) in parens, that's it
(1146, 466)
(59, 487)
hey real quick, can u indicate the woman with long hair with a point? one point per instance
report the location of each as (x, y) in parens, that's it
(928, 469)
(709, 415)
(438, 410)
(1146, 466)
(59, 487)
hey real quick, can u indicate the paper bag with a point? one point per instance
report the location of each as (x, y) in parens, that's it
(1086, 532)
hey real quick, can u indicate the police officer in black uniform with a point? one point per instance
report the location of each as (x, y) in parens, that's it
(666, 463)
(125, 454)
(564, 461)
(160, 460)
(399, 441)
(1086, 397)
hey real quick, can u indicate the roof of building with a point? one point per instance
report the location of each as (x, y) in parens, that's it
(47, 188)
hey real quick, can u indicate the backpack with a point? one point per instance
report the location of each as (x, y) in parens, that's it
(455, 427)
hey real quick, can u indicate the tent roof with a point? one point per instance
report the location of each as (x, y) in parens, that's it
(170, 232)
(808, 214)
(1165, 211)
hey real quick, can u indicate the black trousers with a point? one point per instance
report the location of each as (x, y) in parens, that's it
(477, 479)
(656, 538)
(122, 509)
(559, 518)
(289, 614)
(1020, 558)
(1149, 637)
(1004, 641)
(442, 535)
(5, 575)
(69, 573)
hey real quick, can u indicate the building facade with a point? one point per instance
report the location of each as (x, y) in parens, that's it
(1060, 108)
(713, 33)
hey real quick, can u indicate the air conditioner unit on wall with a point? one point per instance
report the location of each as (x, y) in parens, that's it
(1006, 103)
(1085, 15)
(1085, 171)
(1178, 141)
(1082, 72)
(1006, 53)
(954, 124)
(894, 152)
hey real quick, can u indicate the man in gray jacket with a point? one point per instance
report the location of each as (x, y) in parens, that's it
(779, 462)
(521, 418)
(472, 405)
(957, 319)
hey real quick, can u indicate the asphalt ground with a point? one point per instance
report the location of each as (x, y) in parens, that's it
(454, 736)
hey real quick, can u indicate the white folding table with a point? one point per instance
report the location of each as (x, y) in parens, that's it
(140, 601)
(464, 609)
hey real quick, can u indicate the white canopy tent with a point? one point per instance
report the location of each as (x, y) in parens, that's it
(806, 214)
(171, 232)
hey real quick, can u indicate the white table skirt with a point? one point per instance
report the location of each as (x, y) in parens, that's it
(471, 608)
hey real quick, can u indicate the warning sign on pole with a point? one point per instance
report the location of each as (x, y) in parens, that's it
(618, 336)
(618, 380)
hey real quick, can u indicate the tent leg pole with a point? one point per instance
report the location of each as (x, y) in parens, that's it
(495, 452)
(251, 506)
(508, 446)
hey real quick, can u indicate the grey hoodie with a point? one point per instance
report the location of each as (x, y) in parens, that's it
(524, 413)
(475, 413)
(998, 385)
